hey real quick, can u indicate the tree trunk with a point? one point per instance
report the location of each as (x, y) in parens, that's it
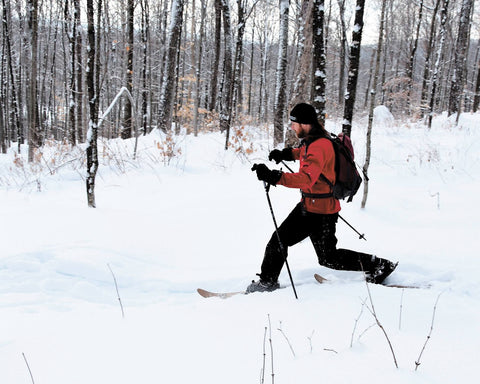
(281, 81)
(343, 52)
(198, 69)
(170, 73)
(476, 98)
(426, 71)
(216, 60)
(436, 70)
(411, 63)
(34, 139)
(226, 102)
(15, 117)
(145, 35)
(238, 62)
(92, 154)
(368, 152)
(304, 55)
(319, 60)
(127, 129)
(459, 69)
(354, 60)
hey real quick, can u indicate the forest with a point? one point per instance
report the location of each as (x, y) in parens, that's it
(74, 70)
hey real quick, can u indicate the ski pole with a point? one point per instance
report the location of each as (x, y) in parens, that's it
(362, 236)
(282, 248)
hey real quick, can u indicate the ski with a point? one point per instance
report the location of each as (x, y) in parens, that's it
(221, 295)
(323, 280)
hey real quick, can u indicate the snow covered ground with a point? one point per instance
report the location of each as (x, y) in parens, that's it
(161, 230)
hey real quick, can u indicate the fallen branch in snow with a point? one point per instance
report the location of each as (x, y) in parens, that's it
(116, 287)
(417, 362)
(28, 366)
(330, 350)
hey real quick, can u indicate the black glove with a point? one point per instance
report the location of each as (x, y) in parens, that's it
(264, 174)
(277, 155)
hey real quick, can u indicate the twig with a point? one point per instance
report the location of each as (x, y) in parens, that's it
(116, 287)
(310, 341)
(28, 366)
(356, 322)
(286, 338)
(330, 350)
(374, 314)
(366, 330)
(401, 309)
(262, 379)
(417, 363)
(271, 347)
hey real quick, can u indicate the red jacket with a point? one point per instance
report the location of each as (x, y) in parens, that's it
(319, 158)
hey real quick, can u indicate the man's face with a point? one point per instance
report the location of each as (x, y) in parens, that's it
(301, 130)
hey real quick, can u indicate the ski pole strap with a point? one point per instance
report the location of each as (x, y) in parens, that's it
(316, 195)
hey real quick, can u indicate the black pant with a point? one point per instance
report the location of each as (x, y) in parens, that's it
(301, 224)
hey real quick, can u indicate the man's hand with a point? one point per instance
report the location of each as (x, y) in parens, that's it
(278, 156)
(264, 174)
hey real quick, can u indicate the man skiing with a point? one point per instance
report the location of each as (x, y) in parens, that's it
(317, 213)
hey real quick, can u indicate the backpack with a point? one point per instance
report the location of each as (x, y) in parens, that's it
(348, 179)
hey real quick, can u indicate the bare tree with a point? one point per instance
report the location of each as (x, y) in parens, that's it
(34, 139)
(198, 70)
(216, 60)
(428, 55)
(411, 64)
(354, 60)
(343, 51)
(126, 132)
(368, 149)
(476, 98)
(280, 87)
(319, 60)
(92, 153)
(170, 72)
(459, 69)
(443, 23)
(15, 116)
(227, 76)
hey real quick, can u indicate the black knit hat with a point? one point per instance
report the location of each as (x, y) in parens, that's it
(304, 114)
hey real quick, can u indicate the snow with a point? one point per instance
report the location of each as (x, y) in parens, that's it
(168, 225)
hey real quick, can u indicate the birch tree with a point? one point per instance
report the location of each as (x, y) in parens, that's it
(373, 92)
(281, 78)
(354, 60)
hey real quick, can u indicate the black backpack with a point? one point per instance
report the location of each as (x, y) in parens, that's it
(348, 179)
